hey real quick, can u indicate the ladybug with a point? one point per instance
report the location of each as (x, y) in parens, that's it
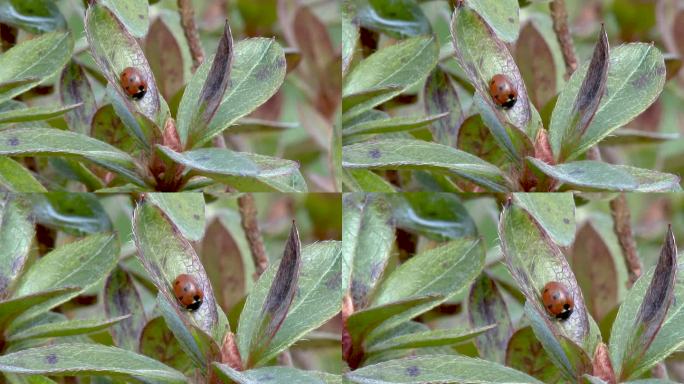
(502, 91)
(133, 83)
(557, 300)
(188, 292)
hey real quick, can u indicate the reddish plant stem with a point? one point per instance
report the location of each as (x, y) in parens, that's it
(187, 16)
(248, 215)
(623, 229)
(559, 16)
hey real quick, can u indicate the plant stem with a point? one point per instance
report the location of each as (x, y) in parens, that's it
(559, 15)
(250, 225)
(623, 229)
(187, 16)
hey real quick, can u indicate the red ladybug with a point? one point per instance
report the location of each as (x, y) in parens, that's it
(502, 91)
(134, 83)
(558, 300)
(188, 292)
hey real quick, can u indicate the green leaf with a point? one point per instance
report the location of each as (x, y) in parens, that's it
(182, 330)
(437, 216)
(132, 14)
(486, 307)
(432, 338)
(438, 368)
(89, 360)
(108, 127)
(540, 75)
(246, 172)
(257, 72)
(600, 282)
(555, 213)
(590, 175)
(164, 55)
(626, 136)
(319, 298)
(121, 298)
(34, 113)
(16, 235)
(165, 254)
(636, 75)
(35, 16)
(159, 343)
(75, 171)
(275, 375)
(585, 102)
(15, 178)
(82, 263)
(10, 309)
(257, 126)
(526, 354)
(643, 312)
(65, 328)
(115, 49)
(401, 154)
(73, 213)
(482, 55)
(185, 210)
(350, 35)
(362, 180)
(476, 138)
(205, 101)
(500, 15)
(75, 89)
(367, 96)
(398, 19)
(368, 237)
(54, 142)
(35, 59)
(401, 65)
(392, 124)
(440, 96)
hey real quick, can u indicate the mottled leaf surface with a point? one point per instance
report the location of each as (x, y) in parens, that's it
(501, 16)
(122, 298)
(432, 338)
(159, 343)
(185, 210)
(486, 307)
(475, 138)
(526, 354)
(75, 89)
(440, 96)
(65, 328)
(16, 236)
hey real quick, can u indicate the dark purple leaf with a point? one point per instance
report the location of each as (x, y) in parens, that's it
(594, 84)
(218, 78)
(486, 307)
(122, 298)
(440, 96)
(75, 89)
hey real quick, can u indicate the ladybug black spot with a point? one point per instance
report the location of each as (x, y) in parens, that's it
(197, 298)
(566, 306)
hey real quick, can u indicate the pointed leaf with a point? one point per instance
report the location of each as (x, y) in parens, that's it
(390, 125)
(165, 254)
(258, 70)
(16, 235)
(74, 213)
(163, 52)
(475, 137)
(438, 368)
(108, 127)
(35, 16)
(10, 309)
(65, 328)
(275, 375)
(526, 354)
(185, 210)
(421, 155)
(15, 178)
(221, 257)
(87, 359)
(368, 96)
(502, 17)
(75, 89)
(115, 49)
(34, 113)
(643, 312)
(400, 65)
(319, 299)
(539, 74)
(440, 96)
(432, 338)
(398, 19)
(486, 307)
(636, 75)
(35, 59)
(122, 298)
(590, 175)
(159, 343)
(350, 35)
(55, 142)
(246, 172)
(368, 236)
(132, 14)
(555, 213)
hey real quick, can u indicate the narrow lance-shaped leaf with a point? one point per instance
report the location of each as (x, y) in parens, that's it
(279, 297)
(122, 298)
(440, 96)
(526, 354)
(586, 103)
(159, 343)
(487, 307)
(16, 235)
(114, 49)
(350, 34)
(35, 17)
(15, 178)
(35, 113)
(431, 338)
(65, 328)
(13, 308)
(367, 236)
(75, 89)
(73, 213)
(275, 375)
(87, 360)
(185, 210)
(628, 348)
(534, 260)
(165, 254)
(555, 213)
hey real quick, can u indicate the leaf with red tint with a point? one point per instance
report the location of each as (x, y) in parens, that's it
(539, 73)
(525, 353)
(166, 61)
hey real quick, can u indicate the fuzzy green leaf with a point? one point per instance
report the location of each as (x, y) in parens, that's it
(16, 235)
(133, 14)
(275, 375)
(185, 210)
(159, 343)
(35, 16)
(487, 307)
(122, 298)
(432, 338)
(75, 89)
(65, 328)
(34, 113)
(555, 213)
(15, 178)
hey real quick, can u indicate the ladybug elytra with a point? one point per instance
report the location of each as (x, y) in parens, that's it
(188, 292)
(557, 300)
(502, 91)
(133, 82)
